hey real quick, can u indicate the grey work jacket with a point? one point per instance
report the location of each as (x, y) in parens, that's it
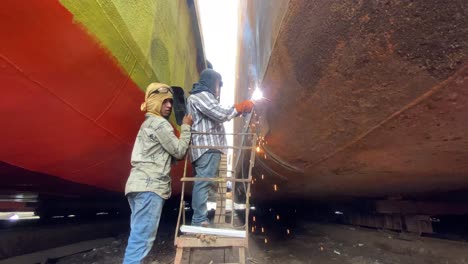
(154, 148)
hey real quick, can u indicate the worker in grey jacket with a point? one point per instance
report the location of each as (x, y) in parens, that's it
(149, 183)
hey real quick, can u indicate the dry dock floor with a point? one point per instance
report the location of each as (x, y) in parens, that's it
(309, 242)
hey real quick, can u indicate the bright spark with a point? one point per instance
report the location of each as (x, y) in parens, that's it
(257, 94)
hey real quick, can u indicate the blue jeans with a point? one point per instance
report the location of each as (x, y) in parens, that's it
(146, 212)
(205, 167)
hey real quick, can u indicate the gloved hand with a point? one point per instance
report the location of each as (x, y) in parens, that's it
(245, 106)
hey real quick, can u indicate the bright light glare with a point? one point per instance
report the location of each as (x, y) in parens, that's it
(218, 21)
(102, 213)
(14, 217)
(257, 94)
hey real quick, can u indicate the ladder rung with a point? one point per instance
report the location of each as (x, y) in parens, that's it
(223, 147)
(227, 134)
(192, 179)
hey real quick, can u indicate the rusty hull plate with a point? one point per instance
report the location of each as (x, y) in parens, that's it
(369, 99)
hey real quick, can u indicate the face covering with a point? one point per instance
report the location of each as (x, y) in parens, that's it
(155, 95)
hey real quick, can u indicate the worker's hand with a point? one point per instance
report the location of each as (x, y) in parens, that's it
(248, 106)
(245, 106)
(187, 120)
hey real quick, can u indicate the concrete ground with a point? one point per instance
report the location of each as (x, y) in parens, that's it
(327, 243)
(307, 242)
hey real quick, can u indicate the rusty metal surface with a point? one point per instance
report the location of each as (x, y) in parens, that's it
(369, 98)
(257, 37)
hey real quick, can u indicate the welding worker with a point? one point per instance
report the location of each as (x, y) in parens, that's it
(208, 117)
(149, 183)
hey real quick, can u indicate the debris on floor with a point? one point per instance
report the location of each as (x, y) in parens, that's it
(311, 243)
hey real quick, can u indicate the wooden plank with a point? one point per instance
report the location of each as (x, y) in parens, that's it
(212, 231)
(241, 255)
(221, 197)
(194, 242)
(178, 256)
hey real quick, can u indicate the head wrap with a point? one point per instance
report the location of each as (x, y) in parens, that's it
(207, 82)
(154, 99)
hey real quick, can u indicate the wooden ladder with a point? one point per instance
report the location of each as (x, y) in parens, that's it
(224, 234)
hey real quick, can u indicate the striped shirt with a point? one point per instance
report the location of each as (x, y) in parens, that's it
(208, 117)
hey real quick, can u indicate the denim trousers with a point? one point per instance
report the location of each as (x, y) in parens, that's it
(205, 167)
(144, 221)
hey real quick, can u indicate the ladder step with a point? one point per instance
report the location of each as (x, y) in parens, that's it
(213, 231)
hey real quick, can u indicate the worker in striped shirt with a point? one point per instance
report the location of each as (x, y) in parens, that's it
(208, 117)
